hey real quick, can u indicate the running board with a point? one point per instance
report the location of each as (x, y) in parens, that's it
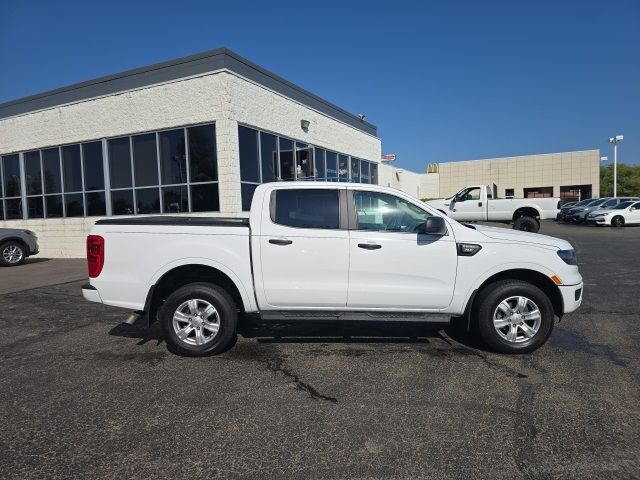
(355, 316)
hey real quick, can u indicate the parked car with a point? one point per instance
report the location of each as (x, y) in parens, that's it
(475, 203)
(564, 213)
(329, 251)
(565, 208)
(625, 213)
(614, 202)
(16, 245)
(579, 214)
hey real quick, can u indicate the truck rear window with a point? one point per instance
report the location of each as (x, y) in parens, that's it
(307, 208)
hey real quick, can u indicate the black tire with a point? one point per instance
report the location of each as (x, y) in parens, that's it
(227, 313)
(617, 221)
(489, 299)
(8, 250)
(526, 224)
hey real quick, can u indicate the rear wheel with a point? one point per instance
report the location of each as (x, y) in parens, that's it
(514, 316)
(12, 254)
(526, 224)
(617, 221)
(199, 319)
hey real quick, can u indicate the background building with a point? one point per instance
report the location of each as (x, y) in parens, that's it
(196, 134)
(568, 175)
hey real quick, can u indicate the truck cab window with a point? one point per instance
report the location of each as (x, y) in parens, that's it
(307, 208)
(384, 212)
(468, 194)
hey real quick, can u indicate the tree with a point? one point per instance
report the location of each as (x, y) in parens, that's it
(628, 180)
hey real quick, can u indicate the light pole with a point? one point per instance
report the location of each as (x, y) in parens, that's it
(615, 140)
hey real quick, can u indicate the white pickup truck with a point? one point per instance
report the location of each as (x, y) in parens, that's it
(330, 251)
(475, 203)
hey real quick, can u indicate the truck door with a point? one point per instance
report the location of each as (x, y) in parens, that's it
(468, 205)
(391, 266)
(304, 249)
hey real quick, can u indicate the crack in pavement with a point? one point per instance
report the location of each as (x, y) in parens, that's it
(276, 365)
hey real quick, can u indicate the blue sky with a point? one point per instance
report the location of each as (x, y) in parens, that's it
(443, 81)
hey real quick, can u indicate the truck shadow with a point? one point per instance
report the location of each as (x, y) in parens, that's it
(306, 331)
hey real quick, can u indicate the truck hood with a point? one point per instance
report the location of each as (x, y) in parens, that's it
(509, 235)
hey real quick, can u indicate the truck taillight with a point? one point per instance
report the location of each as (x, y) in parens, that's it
(95, 254)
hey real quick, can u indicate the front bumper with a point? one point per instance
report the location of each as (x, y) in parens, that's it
(34, 249)
(571, 296)
(90, 293)
(597, 220)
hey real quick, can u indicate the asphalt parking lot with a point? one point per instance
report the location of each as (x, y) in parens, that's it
(82, 396)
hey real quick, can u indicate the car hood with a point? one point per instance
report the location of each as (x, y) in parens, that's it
(510, 235)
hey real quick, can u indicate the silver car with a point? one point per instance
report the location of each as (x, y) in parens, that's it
(16, 245)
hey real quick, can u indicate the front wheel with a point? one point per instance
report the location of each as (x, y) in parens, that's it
(514, 316)
(526, 224)
(617, 221)
(12, 254)
(198, 319)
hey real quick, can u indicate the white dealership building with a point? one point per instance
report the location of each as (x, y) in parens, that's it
(192, 135)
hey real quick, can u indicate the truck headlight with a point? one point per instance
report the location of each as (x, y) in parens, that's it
(568, 256)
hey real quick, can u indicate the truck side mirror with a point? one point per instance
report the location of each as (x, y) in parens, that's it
(434, 226)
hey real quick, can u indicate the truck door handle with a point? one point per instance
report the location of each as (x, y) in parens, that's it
(369, 246)
(479, 204)
(280, 241)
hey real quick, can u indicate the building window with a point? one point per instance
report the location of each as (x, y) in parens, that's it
(374, 173)
(269, 157)
(355, 169)
(320, 170)
(574, 193)
(265, 157)
(365, 175)
(33, 182)
(249, 164)
(509, 192)
(11, 187)
(287, 165)
(332, 166)
(343, 168)
(149, 173)
(538, 192)
(166, 169)
(304, 162)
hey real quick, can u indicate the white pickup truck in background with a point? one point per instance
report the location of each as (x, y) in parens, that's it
(330, 251)
(475, 203)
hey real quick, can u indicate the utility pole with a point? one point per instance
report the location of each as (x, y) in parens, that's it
(615, 140)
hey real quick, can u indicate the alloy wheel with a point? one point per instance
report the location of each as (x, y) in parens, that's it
(517, 319)
(12, 254)
(196, 322)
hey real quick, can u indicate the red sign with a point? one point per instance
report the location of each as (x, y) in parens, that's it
(389, 157)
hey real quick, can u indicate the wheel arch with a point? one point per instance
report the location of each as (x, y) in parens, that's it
(15, 239)
(180, 275)
(526, 211)
(529, 275)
